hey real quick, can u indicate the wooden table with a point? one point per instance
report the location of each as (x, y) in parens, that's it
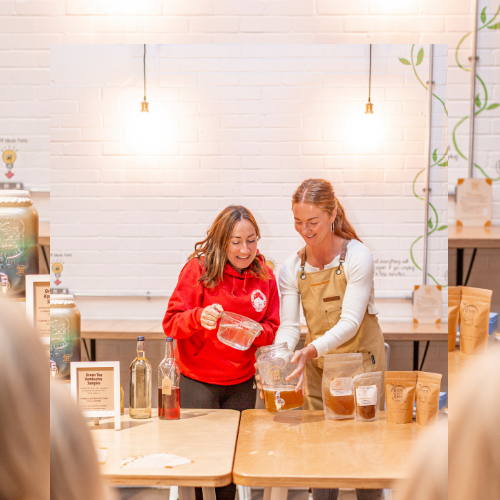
(152, 330)
(299, 448)
(471, 237)
(207, 437)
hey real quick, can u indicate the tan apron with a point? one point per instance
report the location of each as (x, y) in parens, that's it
(322, 294)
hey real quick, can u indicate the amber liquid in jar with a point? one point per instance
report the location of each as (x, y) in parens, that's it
(280, 400)
(169, 406)
(340, 405)
(366, 411)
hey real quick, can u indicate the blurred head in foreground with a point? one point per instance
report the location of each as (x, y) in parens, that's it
(463, 464)
(24, 409)
(46, 450)
(74, 471)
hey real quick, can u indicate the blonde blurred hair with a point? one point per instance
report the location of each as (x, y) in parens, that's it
(24, 409)
(74, 471)
(470, 456)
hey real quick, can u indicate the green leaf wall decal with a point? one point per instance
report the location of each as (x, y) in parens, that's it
(494, 26)
(444, 164)
(434, 155)
(405, 61)
(493, 106)
(420, 56)
(430, 224)
(478, 101)
(442, 228)
(483, 15)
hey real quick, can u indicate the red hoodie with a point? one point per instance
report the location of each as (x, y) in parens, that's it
(200, 354)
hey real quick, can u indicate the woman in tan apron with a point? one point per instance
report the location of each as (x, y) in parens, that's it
(333, 278)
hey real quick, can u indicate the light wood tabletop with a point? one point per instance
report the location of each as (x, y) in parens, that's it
(207, 437)
(152, 330)
(299, 448)
(44, 233)
(474, 237)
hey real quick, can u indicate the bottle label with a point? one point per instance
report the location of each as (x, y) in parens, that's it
(341, 386)
(366, 395)
(166, 386)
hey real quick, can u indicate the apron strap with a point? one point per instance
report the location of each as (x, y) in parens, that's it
(342, 255)
(302, 254)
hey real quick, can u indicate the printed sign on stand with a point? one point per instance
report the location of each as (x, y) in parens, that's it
(38, 304)
(427, 304)
(95, 386)
(474, 202)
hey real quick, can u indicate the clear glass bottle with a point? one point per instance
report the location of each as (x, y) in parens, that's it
(140, 383)
(169, 393)
(18, 241)
(65, 326)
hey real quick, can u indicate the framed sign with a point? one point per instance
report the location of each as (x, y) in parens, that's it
(427, 304)
(38, 304)
(474, 202)
(95, 386)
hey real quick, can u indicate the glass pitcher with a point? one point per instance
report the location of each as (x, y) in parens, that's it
(274, 366)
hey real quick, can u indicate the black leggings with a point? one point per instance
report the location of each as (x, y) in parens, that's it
(200, 395)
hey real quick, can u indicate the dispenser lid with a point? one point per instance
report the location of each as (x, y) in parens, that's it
(61, 299)
(14, 196)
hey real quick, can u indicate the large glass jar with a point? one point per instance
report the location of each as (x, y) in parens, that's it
(18, 241)
(65, 324)
(274, 367)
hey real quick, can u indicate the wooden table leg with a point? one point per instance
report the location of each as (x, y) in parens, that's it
(279, 493)
(208, 493)
(460, 266)
(416, 354)
(267, 493)
(187, 493)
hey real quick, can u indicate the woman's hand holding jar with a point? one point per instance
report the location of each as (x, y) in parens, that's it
(210, 316)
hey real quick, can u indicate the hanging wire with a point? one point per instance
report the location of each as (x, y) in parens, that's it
(144, 71)
(369, 77)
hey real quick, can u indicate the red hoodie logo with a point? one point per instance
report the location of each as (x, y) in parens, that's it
(259, 300)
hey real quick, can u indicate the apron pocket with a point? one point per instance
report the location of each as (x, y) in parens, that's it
(333, 315)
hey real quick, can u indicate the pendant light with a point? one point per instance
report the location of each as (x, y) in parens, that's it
(144, 103)
(369, 105)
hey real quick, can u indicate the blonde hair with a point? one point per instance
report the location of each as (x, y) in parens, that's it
(320, 193)
(74, 471)
(212, 251)
(24, 409)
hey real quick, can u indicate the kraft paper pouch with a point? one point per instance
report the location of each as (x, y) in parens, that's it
(367, 392)
(400, 396)
(454, 294)
(337, 386)
(428, 385)
(474, 320)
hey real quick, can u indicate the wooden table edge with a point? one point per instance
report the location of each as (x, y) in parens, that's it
(207, 482)
(311, 482)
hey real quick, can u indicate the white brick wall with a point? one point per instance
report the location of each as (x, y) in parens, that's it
(285, 113)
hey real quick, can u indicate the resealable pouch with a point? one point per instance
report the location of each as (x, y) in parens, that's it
(454, 294)
(474, 320)
(427, 396)
(337, 388)
(367, 396)
(400, 396)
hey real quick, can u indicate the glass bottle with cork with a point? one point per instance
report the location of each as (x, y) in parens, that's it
(169, 394)
(140, 383)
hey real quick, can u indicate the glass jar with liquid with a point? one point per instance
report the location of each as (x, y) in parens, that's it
(141, 379)
(65, 326)
(18, 241)
(274, 367)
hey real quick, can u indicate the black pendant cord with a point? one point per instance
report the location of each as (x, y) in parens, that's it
(144, 71)
(370, 76)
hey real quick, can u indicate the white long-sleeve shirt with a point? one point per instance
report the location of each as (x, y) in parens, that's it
(359, 296)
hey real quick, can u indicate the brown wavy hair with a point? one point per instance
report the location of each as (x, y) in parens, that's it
(212, 251)
(320, 193)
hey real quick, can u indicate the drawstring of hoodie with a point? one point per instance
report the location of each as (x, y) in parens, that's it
(244, 284)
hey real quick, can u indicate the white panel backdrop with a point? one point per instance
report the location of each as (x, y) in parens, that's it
(131, 193)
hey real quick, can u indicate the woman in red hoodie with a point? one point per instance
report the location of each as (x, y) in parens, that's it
(224, 273)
